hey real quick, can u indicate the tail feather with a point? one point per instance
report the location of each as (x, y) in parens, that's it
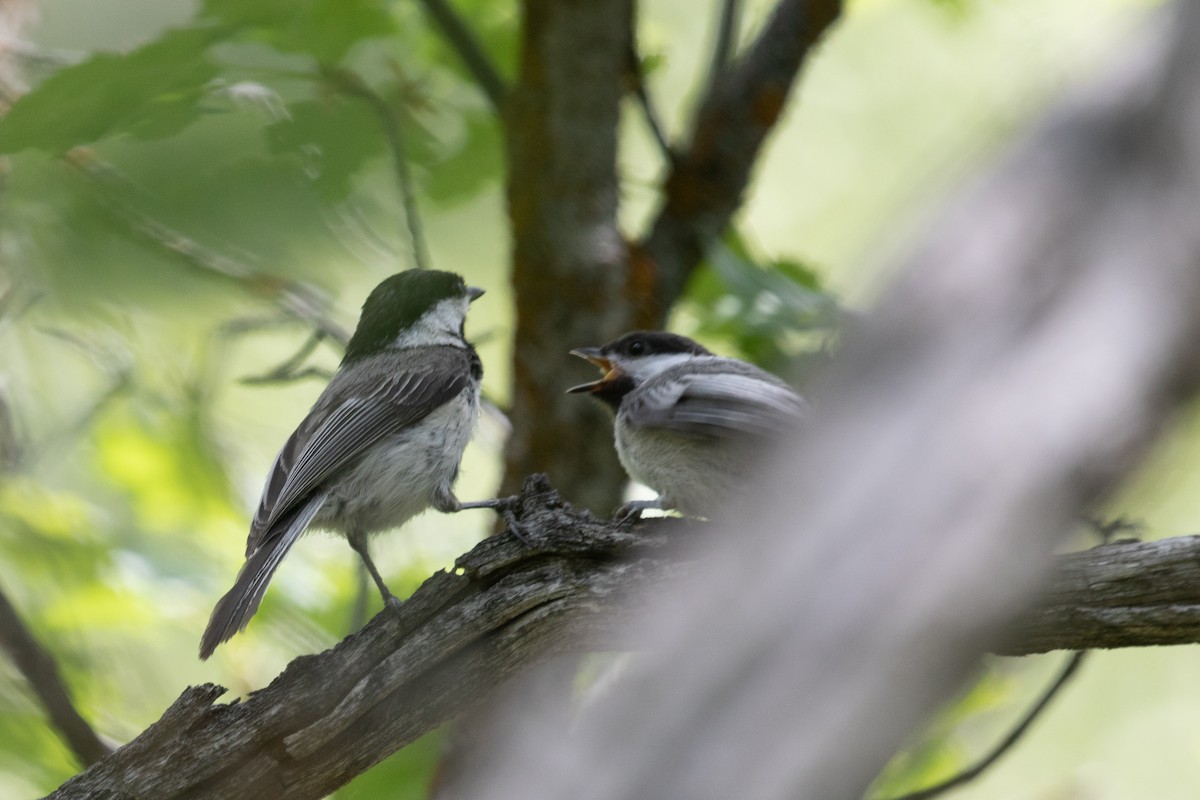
(234, 610)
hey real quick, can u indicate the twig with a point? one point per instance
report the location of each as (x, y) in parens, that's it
(11, 449)
(289, 371)
(1109, 529)
(726, 41)
(1005, 744)
(637, 79)
(294, 298)
(41, 672)
(287, 377)
(469, 50)
(389, 118)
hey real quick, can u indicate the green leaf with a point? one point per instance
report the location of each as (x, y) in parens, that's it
(763, 310)
(333, 139)
(323, 29)
(476, 164)
(150, 93)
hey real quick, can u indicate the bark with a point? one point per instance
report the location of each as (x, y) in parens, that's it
(569, 259)
(1127, 594)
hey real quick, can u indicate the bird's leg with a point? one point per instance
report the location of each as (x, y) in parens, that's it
(359, 542)
(447, 503)
(497, 504)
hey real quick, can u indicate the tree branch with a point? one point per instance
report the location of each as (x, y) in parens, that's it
(469, 50)
(41, 672)
(1124, 594)
(329, 717)
(742, 106)
(506, 607)
(1010, 739)
(641, 93)
(726, 39)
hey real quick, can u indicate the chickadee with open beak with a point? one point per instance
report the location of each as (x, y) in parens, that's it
(381, 444)
(688, 423)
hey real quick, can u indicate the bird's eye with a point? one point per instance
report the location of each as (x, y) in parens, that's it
(637, 347)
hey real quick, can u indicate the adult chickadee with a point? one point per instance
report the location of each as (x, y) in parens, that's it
(688, 423)
(381, 444)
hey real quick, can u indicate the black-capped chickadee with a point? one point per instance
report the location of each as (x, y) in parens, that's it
(688, 423)
(381, 444)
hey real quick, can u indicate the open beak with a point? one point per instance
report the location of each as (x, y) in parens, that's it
(474, 293)
(594, 356)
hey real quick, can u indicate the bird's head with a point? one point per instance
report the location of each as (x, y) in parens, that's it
(633, 359)
(415, 308)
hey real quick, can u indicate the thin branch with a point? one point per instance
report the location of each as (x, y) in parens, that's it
(465, 43)
(11, 448)
(637, 79)
(727, 34)
(41, 672)
(389, 119)
(1007, 743)
(289, 371)
(273, 378)
(739, 110)
(294, 298)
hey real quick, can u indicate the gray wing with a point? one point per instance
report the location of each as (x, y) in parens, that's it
(335, 433)
(715, 404)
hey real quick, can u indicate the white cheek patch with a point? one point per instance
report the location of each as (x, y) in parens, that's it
(440, 325)
(643, 369)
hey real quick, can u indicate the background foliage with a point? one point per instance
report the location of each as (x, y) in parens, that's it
(190, 186)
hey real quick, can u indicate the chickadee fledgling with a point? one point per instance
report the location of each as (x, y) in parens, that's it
(688, 423)
(381, 444)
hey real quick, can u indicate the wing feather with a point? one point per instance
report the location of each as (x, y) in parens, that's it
(336, 432)
(716, 404)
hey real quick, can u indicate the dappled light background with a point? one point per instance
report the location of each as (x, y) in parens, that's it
(194, 245)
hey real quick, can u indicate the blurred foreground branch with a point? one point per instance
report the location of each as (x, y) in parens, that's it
(1030, 351)
(507, 607)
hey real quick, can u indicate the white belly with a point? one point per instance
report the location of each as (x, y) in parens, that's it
(696, 475)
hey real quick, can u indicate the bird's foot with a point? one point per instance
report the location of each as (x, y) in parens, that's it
(506, 507)
(631, 512)
(1110, 530)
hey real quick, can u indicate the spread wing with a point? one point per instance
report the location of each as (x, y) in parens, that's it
(336, 432)
(718, 404)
